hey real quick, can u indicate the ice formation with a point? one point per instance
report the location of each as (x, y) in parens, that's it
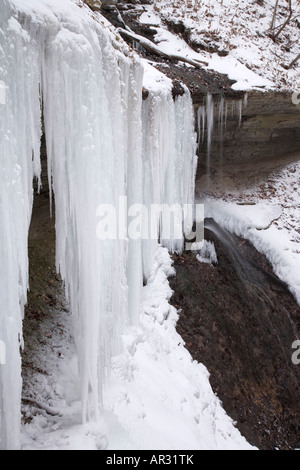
(207, 253)
(19, 154)
(104, 146)
(169, 162)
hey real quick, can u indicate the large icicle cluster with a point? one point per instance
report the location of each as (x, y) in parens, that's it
(104, 146)
(169, 161)
(92, 99)
(19, 160)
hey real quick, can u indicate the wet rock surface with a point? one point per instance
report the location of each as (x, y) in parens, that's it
(266, 125)
(240, 320)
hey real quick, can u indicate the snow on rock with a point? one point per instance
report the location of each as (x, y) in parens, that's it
(207, 253)
(161, 397)
(237, 28)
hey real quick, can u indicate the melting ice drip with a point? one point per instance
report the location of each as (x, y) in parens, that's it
(100, 148)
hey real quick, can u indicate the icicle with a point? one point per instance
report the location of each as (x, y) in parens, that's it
(103, 147)
(20, 131)
(96, 161)
(221, 116)
(201, 124)
(169, 149)
(240, 112)
(210, 121)
(226, 115)
(210, 126)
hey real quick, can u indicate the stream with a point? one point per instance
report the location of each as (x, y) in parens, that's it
(240, 321)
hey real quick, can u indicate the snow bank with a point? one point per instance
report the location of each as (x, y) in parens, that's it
(156, 397)
(271, 226)
(239, 28)
(161, 397)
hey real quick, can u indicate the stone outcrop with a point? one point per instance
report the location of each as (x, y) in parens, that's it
(95, 5)
(263, 125)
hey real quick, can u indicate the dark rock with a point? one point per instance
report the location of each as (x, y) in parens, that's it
(269, 128)
(95, 5)
(108, 4)
(145, 94)
(177, 89)
(240, 321)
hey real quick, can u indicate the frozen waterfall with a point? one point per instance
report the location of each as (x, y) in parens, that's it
(104, 146)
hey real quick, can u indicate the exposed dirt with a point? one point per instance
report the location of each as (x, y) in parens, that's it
(199, 81)
(240, 321)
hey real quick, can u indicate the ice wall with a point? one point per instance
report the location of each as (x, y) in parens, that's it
(20, 129)
(169, 162)
(93, 133)
(106, 150)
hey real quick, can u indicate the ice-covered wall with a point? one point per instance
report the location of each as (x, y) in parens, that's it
(169, 161)
(92, 99)
(103, 146)
(20, 129)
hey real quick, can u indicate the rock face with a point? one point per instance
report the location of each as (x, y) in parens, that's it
(239, 320)
(262, 125)
(108, 4)
(95, 5)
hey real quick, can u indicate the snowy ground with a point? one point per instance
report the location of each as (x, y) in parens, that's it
(241, 28)
(157, 397)
(268, 214)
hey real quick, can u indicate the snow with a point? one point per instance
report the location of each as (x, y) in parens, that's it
(207, 253)
(132, 383)
(245, 79)
(186, 414)
(156, 397)
(169, 160)
(20, 124)
(240, 28)
(271, 224)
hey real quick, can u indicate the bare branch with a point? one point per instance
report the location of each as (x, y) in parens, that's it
(294, 61)
(286, 22)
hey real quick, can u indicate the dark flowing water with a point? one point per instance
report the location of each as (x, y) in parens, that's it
(240, 321)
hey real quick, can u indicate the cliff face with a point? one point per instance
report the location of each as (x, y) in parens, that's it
(260, 126)
(263, 124)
